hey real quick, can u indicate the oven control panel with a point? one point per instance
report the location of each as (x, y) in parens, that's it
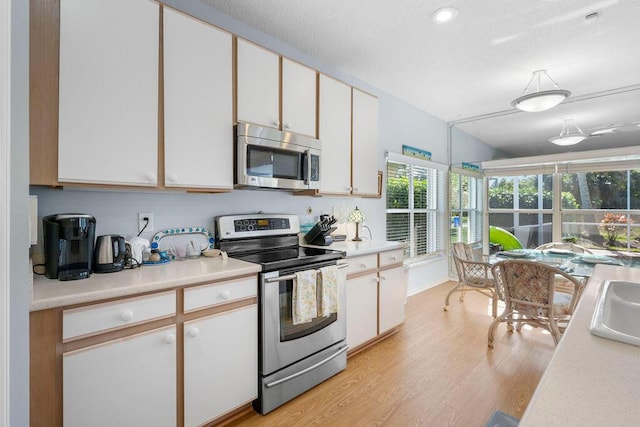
(256, 225)
(261, 224)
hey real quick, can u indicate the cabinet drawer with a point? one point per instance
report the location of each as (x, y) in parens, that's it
(219, 293)
(391, 257)
(81, 321)
(361, 264)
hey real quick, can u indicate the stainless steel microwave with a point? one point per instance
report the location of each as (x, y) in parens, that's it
(267, 157)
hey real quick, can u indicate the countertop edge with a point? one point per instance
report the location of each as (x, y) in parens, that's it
(51, 293)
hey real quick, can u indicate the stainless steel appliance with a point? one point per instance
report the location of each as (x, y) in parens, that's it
(292, 358)
(109, 254)
(68, 245)
(267, 157)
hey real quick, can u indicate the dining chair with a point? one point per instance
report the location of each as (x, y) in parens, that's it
(561, 284)
(529, 291)
(474, 274)
(566, 246)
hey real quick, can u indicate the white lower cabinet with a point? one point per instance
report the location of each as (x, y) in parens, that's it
(376, 295)
(127, 382)
(220, 364)
(362, 309)
(392, 298)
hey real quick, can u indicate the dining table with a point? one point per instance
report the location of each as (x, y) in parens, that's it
(575, 264)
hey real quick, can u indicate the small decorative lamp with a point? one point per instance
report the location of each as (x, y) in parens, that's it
(356, 216)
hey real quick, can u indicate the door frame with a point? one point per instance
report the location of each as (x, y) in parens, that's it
(5, 181)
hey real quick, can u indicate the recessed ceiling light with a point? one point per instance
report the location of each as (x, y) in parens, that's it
(444, 15)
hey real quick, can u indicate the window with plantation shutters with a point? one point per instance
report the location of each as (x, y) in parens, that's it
(466, 192)
(416, 194)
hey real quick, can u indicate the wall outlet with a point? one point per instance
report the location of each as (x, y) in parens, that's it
(142, 221)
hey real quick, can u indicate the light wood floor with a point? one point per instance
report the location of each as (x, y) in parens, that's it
(436, 371)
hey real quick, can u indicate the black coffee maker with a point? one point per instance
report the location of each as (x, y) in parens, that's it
(68, 245)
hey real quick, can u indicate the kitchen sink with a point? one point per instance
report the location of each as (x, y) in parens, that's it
(617, 312)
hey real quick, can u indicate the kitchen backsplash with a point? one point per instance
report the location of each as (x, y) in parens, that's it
(116, 212)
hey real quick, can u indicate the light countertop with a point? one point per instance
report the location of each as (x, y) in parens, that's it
(364, 247)
(590, 381)
(51, 293)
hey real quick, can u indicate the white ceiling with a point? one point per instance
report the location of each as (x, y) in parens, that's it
(477, 64)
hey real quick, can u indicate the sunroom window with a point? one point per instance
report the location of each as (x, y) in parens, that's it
(416, 192)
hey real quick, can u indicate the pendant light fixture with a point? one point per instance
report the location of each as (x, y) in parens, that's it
(569, 135)
(540, 100)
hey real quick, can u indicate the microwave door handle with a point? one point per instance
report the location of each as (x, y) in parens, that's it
(307, 178)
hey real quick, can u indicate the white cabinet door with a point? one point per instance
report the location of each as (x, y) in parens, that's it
(220, 364)
(198, 113)
(362, 309)
(298, 98)
(365, 144)
(392, 298)
(335, 133)
(108, 105)
(258, 77)
(128, 382)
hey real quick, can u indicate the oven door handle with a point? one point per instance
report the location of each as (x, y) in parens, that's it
(310, 368)
(293, 276)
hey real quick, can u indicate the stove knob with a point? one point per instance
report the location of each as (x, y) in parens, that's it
(250, 228)
(243, 228)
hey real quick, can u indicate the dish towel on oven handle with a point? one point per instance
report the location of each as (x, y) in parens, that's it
(304, 299)
(329, 279)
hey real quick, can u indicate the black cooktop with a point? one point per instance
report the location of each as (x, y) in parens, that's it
(284, 258)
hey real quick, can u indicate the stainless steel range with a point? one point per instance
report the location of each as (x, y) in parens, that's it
(292, 357)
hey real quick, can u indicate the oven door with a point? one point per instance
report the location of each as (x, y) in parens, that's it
(284, 343)
(274, 164)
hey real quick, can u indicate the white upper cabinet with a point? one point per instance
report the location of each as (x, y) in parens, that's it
(335, 133)
(365, 144)
(298, 98)
(258, 85)
(198, 113)
(108, 105)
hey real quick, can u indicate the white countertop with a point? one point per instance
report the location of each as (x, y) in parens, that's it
(363, 247)
(590, 381)
(51, 293)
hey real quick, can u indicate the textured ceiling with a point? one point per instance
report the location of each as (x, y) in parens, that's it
(477, 64)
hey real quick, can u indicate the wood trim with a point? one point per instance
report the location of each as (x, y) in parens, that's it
(234, 81)
(161, 169)
(180, 358)
(44, 63)
(45, 368)
(116, 334)
(223, 308)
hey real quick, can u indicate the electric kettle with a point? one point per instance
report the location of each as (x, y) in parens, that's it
(109, 254)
